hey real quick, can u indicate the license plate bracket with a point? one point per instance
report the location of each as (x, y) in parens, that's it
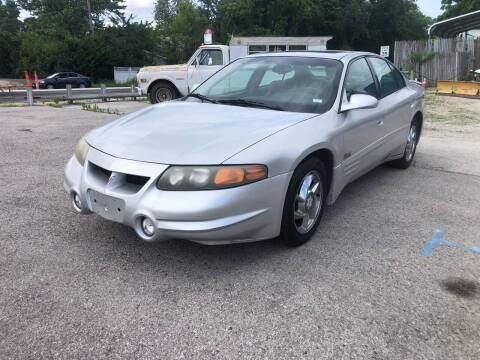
(108, 207)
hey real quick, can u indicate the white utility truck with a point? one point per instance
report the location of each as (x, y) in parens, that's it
(167, 82)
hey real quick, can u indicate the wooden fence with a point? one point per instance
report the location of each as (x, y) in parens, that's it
(450, 59)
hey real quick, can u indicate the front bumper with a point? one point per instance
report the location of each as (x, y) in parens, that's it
(243, 214)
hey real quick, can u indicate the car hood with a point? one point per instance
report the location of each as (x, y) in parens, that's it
(188, 133)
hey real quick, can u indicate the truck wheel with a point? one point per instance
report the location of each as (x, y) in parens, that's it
(161, 92)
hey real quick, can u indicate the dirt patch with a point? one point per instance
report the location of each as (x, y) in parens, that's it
(17, 82)
(446, 110)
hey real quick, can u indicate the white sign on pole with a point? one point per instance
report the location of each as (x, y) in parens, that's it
(385, 51)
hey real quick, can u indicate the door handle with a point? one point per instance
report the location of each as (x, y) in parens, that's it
(380, 122)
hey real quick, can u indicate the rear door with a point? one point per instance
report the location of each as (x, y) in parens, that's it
(364, 131)
(62, 80)
(395, 101)
(73, 79)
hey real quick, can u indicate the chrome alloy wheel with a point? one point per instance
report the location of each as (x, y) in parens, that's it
(411, 143)
(308, 202)
(163, 94)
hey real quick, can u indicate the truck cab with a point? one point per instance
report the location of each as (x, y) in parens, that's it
(163, 83)
(167, 82)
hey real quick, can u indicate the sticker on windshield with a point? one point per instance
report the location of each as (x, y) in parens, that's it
(318, 101)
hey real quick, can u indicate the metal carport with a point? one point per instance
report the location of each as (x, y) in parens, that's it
(452, 27)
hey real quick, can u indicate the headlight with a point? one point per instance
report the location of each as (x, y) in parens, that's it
(41, 82)
(190, 178)
(81, 150)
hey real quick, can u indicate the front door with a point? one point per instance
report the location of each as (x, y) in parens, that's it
(396, 100)
(364, 128)
(208, 62)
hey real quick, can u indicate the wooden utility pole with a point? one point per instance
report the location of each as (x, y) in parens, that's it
(89, 9)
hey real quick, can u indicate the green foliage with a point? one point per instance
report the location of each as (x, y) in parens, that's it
(96, 108)
(454, 8)
(184, 32)
(70, 15)
(9, 13)
(421, 58)
(56, 37)
(354, 24)
(91, 55)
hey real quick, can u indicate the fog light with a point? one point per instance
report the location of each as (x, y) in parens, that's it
(148, 227)
(77, 203)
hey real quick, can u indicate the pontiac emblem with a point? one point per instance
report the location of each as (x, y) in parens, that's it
(110, 178)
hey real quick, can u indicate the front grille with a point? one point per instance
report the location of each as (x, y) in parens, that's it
(136, 179)
(124, 183)
(99, 172)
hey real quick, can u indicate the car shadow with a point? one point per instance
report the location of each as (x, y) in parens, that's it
(120, 244)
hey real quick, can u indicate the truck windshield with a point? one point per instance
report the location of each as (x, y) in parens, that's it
(298, 84)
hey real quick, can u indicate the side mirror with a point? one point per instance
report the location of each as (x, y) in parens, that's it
(194, 86)
(195, 63)
(359, 101)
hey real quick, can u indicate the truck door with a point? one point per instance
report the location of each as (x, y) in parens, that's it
(208, 62)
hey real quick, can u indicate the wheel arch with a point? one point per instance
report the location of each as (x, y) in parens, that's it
(327, 157)
(419, 117)
(153, 83)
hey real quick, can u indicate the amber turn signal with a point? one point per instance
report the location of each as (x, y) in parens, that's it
(255, 172)
(229, 176)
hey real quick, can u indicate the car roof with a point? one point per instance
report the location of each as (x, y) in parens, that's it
(326, 54)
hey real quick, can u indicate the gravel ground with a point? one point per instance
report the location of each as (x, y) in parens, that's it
(76, 286)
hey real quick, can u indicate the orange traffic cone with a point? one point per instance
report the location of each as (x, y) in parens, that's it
(36, 79)
(29, 84)
(424, 84)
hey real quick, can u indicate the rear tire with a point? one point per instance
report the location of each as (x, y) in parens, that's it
(161, 92)
(304, 202)
(82, 86)
(410, 147)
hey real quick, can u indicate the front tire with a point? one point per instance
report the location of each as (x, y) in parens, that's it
(161, 92)
(304, 203)
(410, 147)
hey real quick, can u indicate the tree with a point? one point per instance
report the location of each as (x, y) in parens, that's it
(454, 8)
(9, 26)
(184, 34)
(70, 15)
(163, 13)
(9, 17)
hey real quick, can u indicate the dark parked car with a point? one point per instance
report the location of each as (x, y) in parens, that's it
(60, 81)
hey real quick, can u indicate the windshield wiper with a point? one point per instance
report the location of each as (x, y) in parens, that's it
(202, 97)
(243, 102)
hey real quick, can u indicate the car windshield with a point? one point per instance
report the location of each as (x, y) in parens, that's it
(52, 76)
(297, 84)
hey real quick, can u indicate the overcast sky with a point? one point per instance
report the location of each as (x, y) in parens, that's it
(143, 9)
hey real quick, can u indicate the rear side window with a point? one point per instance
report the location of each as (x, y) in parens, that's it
(398, 77)
(359, 79)
(386, 79)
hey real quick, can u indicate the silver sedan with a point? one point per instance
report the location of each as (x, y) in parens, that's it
(255, 152)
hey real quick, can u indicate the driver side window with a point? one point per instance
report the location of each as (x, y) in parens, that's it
(211, 57)
(359, 79)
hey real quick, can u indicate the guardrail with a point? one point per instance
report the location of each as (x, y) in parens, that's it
(69, 94)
